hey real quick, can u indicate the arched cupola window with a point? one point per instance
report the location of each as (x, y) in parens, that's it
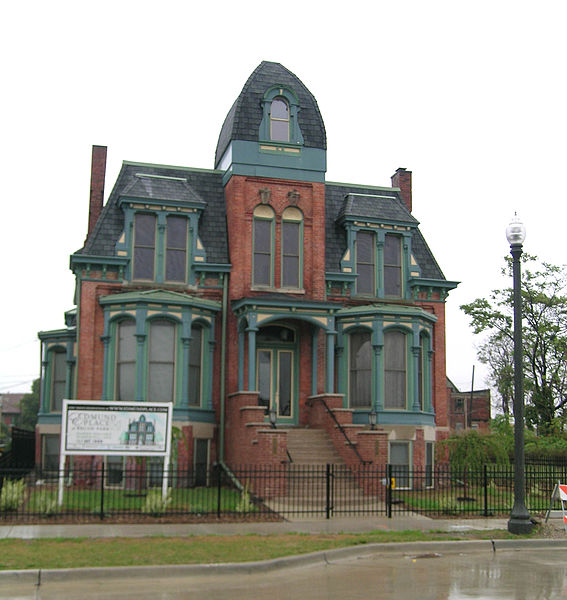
(280, 107)
(279, 120)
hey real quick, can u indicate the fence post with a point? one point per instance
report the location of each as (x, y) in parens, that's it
(102, 491)
(485, 485)
(218, 468)
(328, 491)
(389, 491)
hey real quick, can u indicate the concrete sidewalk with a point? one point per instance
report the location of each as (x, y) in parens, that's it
(335, 525)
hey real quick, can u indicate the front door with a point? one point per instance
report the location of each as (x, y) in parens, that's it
(275, 377)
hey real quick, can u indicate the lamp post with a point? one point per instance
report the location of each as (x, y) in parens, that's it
(519, 521)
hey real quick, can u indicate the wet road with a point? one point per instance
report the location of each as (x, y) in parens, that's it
(526, 574)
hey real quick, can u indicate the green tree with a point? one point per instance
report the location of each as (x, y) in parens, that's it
(544, 310)
(29, 407)
(470, 450)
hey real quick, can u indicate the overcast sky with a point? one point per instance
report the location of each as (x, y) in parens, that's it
(470, 96)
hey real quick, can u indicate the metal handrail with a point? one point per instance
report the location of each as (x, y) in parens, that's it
(341, 429)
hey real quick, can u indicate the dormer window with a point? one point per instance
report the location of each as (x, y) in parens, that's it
(392, 266)
(366, 263)
(144, 246)
(176, 249)
(279, 120)
(160, 247)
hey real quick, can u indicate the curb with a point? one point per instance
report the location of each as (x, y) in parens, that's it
(39, 576)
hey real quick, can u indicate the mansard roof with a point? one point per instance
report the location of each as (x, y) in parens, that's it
(244, 117)
(342, 201)
(385, 206)
(382, 204)
(162, 188)
(183, 185)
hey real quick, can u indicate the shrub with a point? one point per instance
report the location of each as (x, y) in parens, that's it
(47, 506)
(13, 495)
(245, 504)
(155, 503)
(449, 506)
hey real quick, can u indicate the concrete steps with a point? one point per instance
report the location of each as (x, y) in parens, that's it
(311, 447)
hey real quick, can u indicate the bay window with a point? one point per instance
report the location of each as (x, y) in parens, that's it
(395, 367)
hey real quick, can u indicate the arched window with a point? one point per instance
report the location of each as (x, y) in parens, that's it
(161, 360)
(58, 360)
(395, 370)
(292, 243)
(195, 366)
(125, 360)
(360, 370)
(263, 244)
(279, 120)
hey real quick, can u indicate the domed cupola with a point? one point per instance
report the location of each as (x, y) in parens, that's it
(274, 129)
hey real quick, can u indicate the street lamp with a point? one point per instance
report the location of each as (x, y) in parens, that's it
(520, 521)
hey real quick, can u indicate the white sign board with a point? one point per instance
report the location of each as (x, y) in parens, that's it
(116, 428)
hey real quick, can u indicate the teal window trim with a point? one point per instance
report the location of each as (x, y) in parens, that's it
(58, 378)
(193, 248)
(357, 371)
(366, 268)
(265, 129)
(146, 248)
(276, 348)
(407, 370)
(172, 250)
(352, 267)
(299, 250)
(57, 355)
(417, 345)
(184, 320)
(279, 119)
(398, 268)
(257, 252)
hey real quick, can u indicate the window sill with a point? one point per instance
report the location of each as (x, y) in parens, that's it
(274, 290)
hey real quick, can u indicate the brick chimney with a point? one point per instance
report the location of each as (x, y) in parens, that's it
(402, 179)
(98, 172)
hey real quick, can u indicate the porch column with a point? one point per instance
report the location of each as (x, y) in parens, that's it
(43, 386)
(429, 380)
(314, 355)
(251, 357)
(186, 319)
(330, 381)
(185, 353)
(105, 369)
(416, 355)
(209, 371)
(240, 360)
(378, 400)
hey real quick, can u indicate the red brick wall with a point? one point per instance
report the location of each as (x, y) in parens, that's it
(438, 365)
(91, 350)
(242, 195)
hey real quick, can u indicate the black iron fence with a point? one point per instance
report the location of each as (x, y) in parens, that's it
(267, 492)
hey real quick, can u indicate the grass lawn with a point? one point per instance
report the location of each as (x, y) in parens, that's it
(114, 552)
